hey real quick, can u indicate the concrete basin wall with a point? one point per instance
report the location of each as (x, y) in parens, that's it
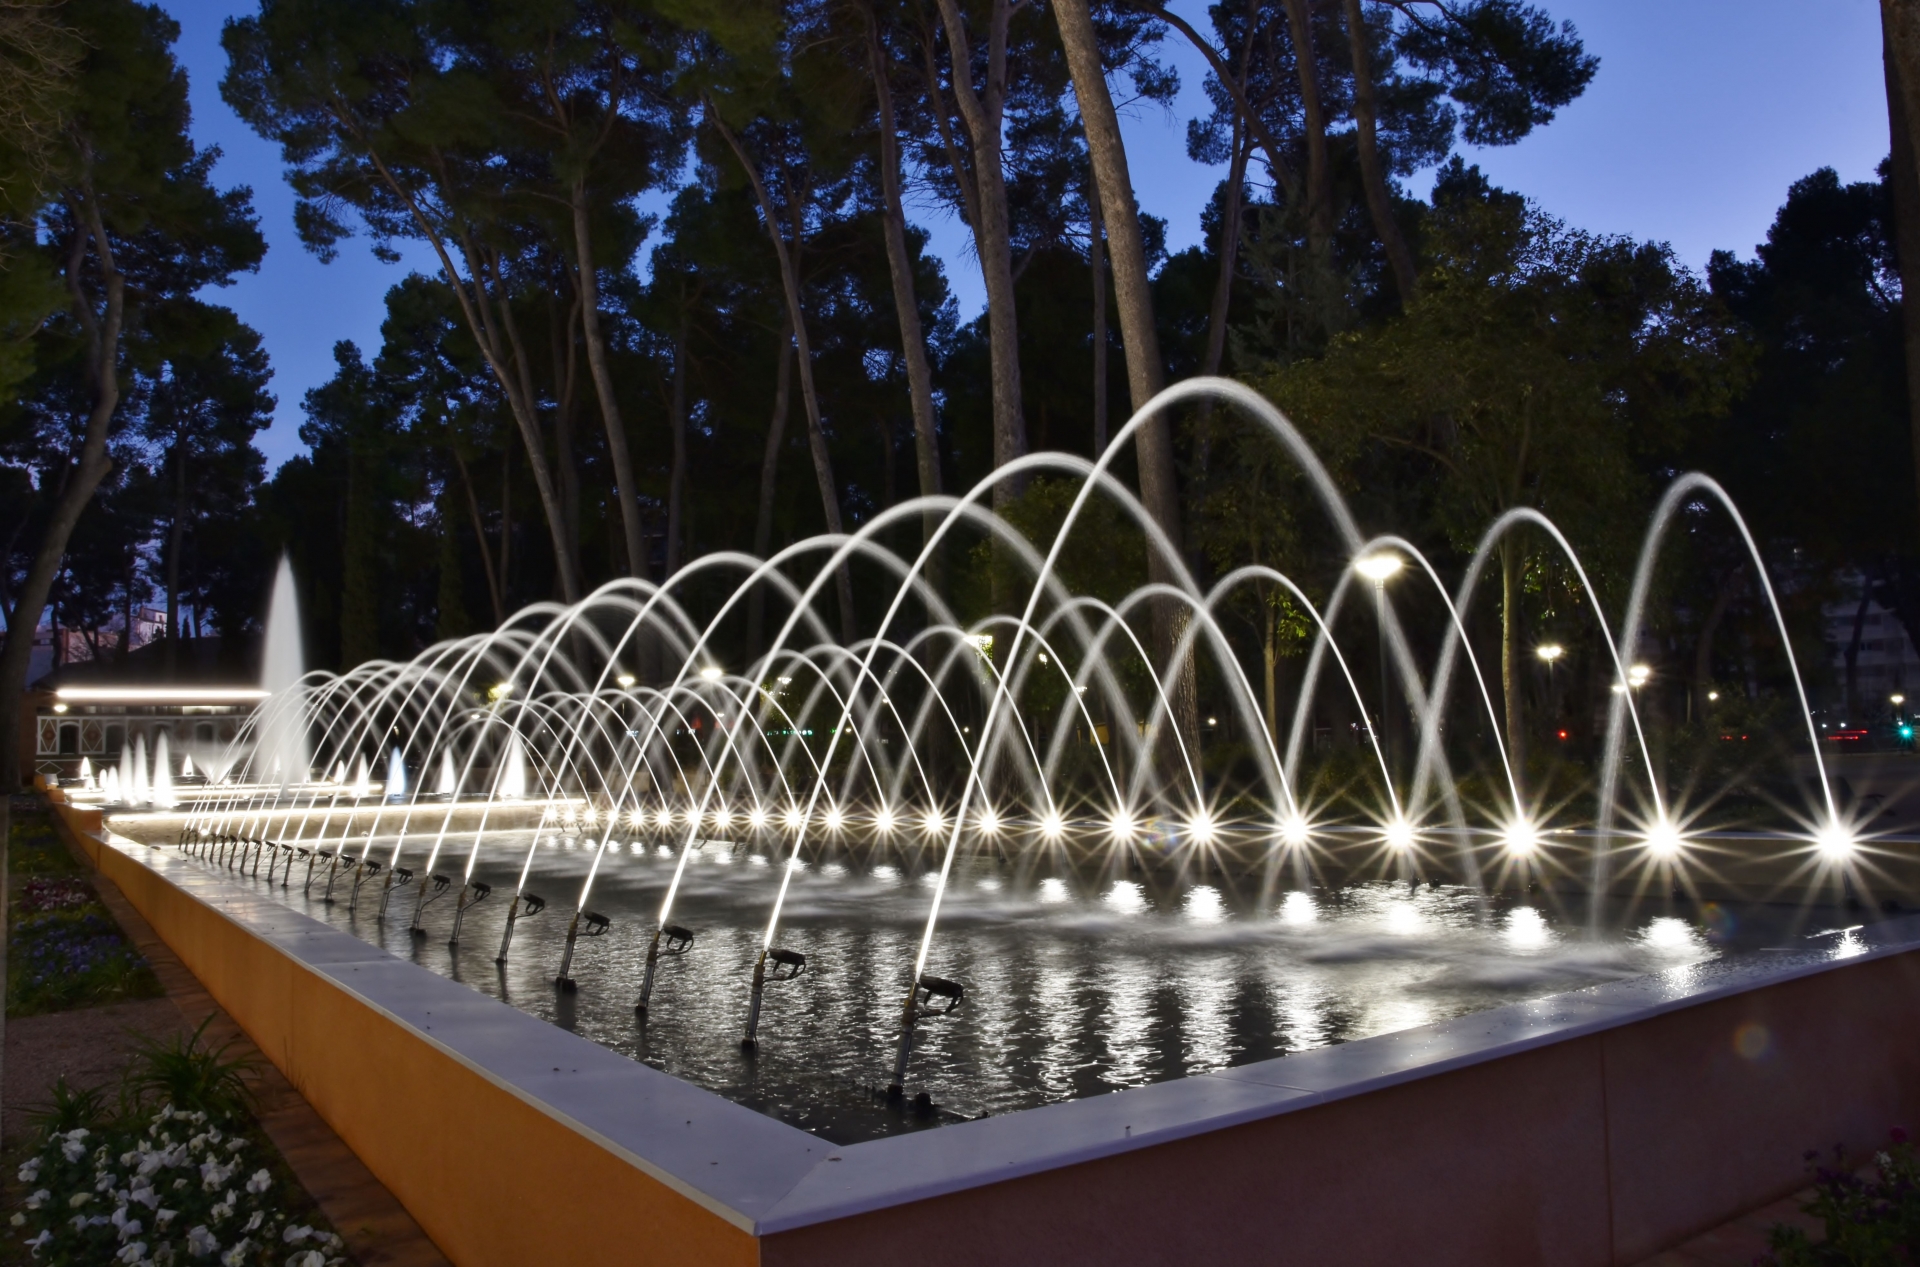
(1594, 1127)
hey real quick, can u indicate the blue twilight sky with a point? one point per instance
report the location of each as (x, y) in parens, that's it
(1703, 112)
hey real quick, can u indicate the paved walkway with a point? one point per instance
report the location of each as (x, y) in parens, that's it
(1740, 1243)
(378, 1230)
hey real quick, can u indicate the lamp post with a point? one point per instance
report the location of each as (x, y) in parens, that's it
(1380, 568)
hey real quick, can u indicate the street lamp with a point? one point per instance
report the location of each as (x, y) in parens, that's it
(1550, 651)
(1380, 568)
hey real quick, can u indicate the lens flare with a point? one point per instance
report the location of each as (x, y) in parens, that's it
(1295, 831)
(1052, 826)
(757, 818)
(1398, 834)
(1521, 838)
(835, 819)
(793, 818)
(1121, 825)
(883, 821)
(1835, 841)
(989, 822)
(933, 821)
(1201, 829)
(1663, 839)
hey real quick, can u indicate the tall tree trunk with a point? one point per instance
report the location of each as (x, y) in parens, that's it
(982, 112)
(769, 479)
(1373, 173)
(566, 354)
(480, 535)
(1703, 648)
(677, 477)
(1219, 310)
(1097, 264)
(491, 324)
(359, 583)
(809, 399)
(176, 537)
(506, 525)
(623, 481)
(1314, 119)
(1510, 683)
(1146, 373)
(906, 305)
(103, 364)
(1900, 46)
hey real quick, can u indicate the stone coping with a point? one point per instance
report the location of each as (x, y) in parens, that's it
(764, 1176)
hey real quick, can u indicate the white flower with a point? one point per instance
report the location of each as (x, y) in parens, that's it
(253, 1224)
(128, 1227)
(237, 1256)
(77, 1134)
(132, 1253)
(39, 1241)
(73, 1149)
(234, 1146)
(308, 1258)
(18, 1219)
(297, 1233)
(79, 1199)
(144, 1195)
(38, 1199)
(179, 1184)
(260, 1182)
(222, 1212)
(201, 1242)
(163, 1217)
(30, 1170)
(106, 1183)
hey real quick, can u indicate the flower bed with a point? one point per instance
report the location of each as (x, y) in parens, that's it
(177, 1191)
(114, 1179)
(64, 948)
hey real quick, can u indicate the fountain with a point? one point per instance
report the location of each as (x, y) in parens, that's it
(281, 753)
(1003, 861)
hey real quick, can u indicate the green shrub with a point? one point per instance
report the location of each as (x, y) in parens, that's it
(1869, 1222)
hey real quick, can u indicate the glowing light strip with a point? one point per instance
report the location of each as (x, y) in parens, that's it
(162, 694)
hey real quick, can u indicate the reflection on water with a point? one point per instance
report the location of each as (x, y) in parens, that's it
(1077, 983)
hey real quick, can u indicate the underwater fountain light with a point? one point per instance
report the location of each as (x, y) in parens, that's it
(1052, 826)
(1521, 838)
(793, 818)
(723, 818)
(757, 818)
(1398, 834)
(835, 819)
(933, 822)
(1201, 829)
(883, 820)
(988, 821)
(1378, 568)
(1835, 841)
(1663, 839)
(626, 681)
(711, 673)
(1295, 831)
(1121, 825)
(636, 818)
(664, 818)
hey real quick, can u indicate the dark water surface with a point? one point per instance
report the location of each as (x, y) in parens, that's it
(1078, 982)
